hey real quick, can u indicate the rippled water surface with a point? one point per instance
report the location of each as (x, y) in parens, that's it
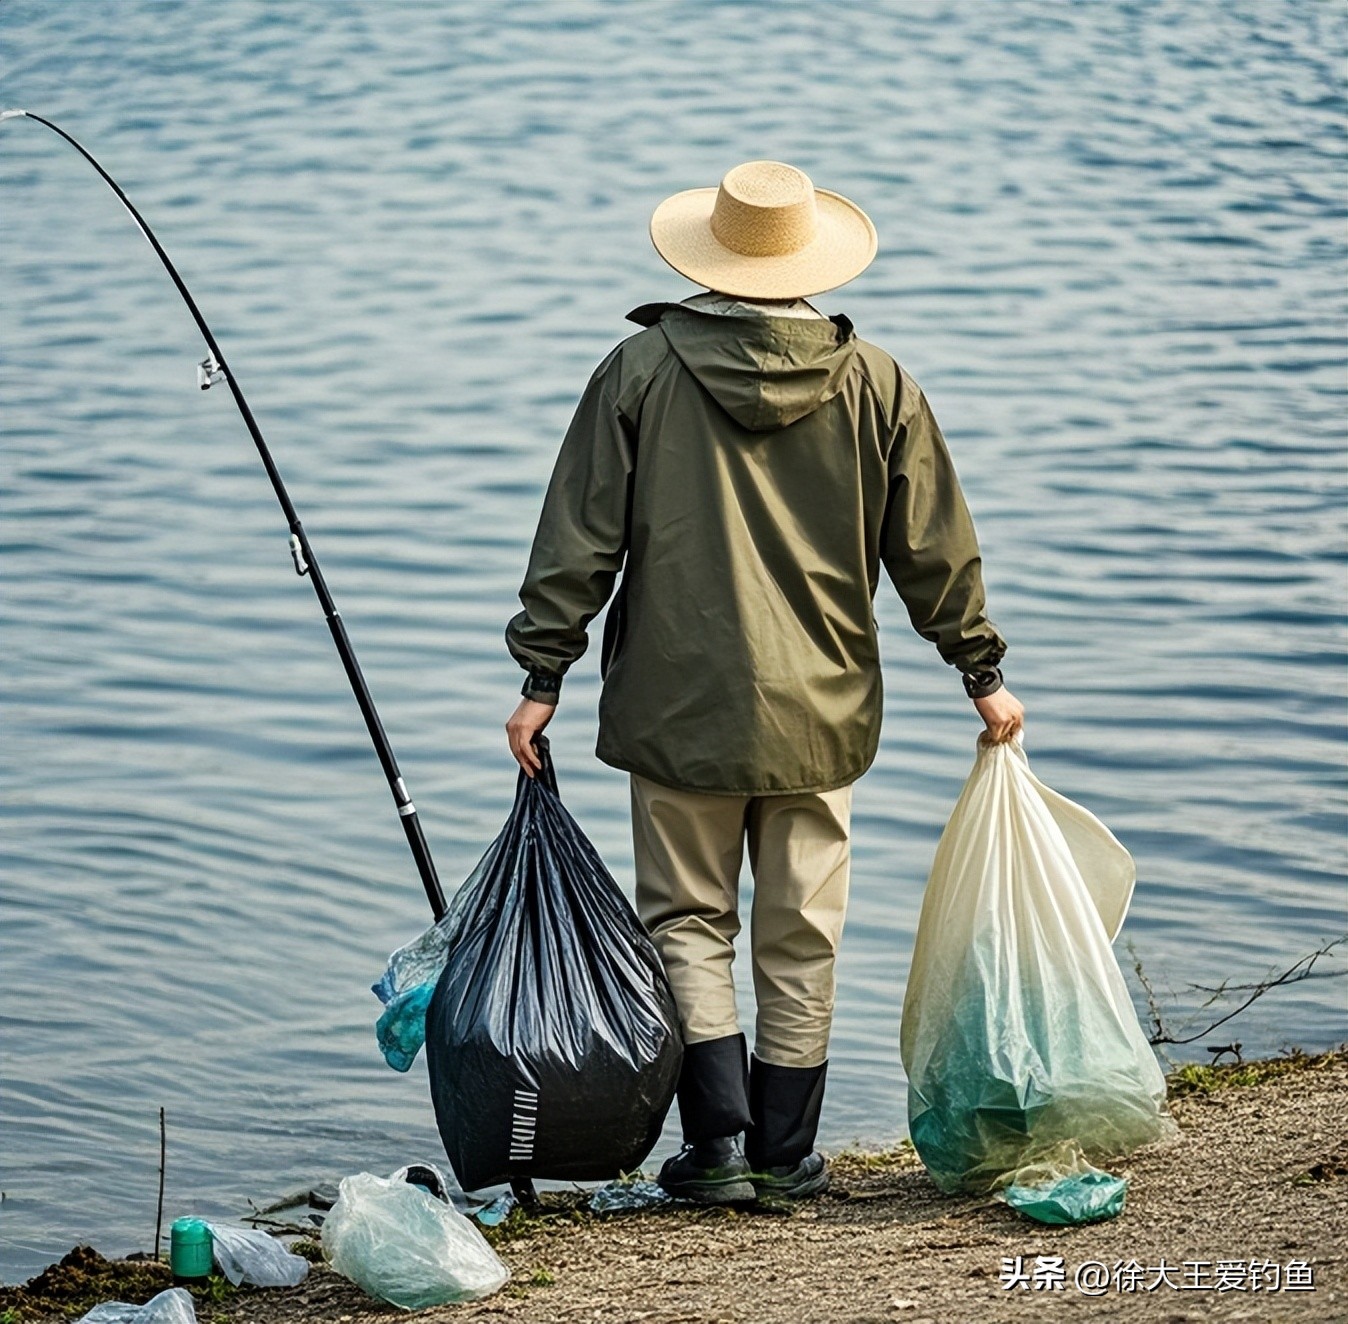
(1112, 253)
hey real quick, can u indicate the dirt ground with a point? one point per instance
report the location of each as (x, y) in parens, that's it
(1258, 1172)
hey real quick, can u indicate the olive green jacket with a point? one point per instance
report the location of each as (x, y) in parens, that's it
(753, 472)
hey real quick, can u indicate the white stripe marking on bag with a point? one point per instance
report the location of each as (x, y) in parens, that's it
(523, 1123)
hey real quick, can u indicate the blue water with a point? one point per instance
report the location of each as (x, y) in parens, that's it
(1112, 251)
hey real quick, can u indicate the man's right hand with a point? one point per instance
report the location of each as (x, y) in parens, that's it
(1002, 713)
(525, 723)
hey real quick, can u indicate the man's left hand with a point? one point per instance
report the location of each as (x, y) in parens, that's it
(525, 723)
(1003, 714)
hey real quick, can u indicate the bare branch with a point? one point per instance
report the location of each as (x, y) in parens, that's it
(1296, 972)
(1227, 987)
(1153, 1008)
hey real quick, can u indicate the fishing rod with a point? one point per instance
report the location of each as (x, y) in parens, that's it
(213, 369)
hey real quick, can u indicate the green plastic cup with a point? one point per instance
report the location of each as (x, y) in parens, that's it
(191, 1250)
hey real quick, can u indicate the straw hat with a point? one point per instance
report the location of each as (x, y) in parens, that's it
(766, 233)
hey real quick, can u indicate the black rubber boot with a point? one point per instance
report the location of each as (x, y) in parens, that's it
(713, 1110)
(784, 1107)
(714, 1089)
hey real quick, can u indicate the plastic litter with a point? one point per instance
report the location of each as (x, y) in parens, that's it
(249, 1255)
(443, 1186)
(401, 1030)
(629, 1195)
(417, 962)
(552, 1039)
(171, 1307)
(1084, 1197)
(1018, 1032)
(191, 1254)
(1062, 1186)
(439, 1183)
(398, 1242)
(496, 1213)
(405, 989)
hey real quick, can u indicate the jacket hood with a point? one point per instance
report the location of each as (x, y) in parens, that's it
(764, 371)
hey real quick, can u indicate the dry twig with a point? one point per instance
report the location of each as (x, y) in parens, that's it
(1297, 971)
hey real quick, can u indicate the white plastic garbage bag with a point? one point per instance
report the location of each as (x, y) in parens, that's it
(1018, 1031)
(249, 1255)
(398, 1242)
(171, 1307)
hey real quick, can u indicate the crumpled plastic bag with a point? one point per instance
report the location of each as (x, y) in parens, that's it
(401, 1030)
(495, 1212)
(417, 962)
(405, 989)
(1018, 1031)
(398, 1242)
(1063, 1187)
(171, 1307)
(249, 1255)
(628, 1195)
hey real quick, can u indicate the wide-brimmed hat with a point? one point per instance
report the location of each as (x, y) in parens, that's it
(766, 233)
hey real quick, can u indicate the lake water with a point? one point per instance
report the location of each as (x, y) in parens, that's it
(1112, 251)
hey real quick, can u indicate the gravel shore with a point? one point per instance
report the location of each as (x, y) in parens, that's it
(1256, 1183)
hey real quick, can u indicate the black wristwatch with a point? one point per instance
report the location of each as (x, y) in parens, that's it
(982, 681)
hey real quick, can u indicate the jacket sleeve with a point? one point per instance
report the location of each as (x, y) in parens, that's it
(579, 547)
(930, 550)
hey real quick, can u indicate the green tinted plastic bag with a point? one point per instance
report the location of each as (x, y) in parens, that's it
(1062, 1187)
(1018, 1034)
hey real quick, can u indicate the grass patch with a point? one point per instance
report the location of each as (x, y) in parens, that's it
(1195, 1078)
(555, 1209)
(307, 1249)
(213, 1291)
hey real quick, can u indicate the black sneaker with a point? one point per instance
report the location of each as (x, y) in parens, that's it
(710, 1172)
(807, 1178)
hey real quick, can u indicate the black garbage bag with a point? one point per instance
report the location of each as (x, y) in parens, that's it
(552, 1038)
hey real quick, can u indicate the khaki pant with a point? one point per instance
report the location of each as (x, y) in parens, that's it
(689, 847)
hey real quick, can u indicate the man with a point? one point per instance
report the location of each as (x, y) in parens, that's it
(749, 464)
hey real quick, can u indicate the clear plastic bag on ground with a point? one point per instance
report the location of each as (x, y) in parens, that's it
(171, 1307)
(1018, 1031)
(552, 1039)
(439, 1183)
(398, 1242)
(249, 1255)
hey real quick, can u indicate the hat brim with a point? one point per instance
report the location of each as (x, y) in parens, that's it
(842, 248)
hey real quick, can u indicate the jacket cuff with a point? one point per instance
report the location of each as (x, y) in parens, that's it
(542, 687)
(982, 681)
